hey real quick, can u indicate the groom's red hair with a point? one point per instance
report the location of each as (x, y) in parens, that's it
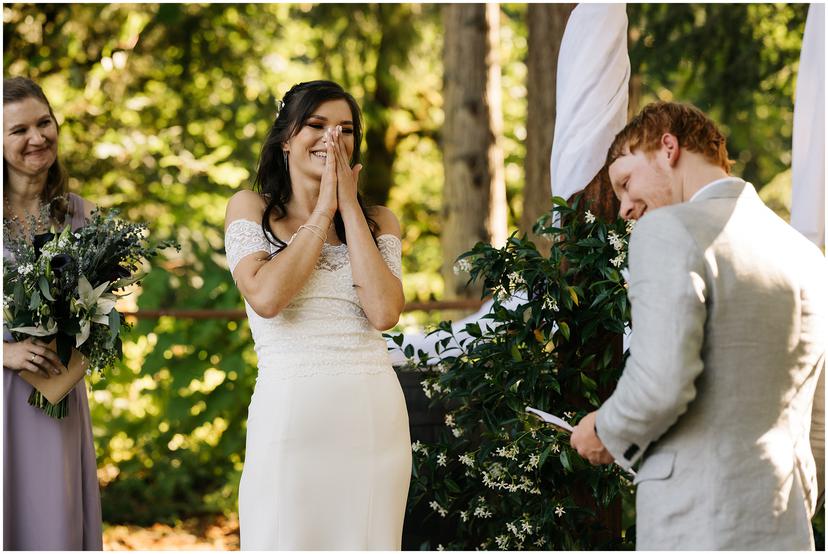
(693, 129)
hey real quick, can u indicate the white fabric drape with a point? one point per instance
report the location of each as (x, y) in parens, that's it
(808, 200)
(592, 94)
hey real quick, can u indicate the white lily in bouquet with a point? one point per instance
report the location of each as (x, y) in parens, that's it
(64, 287)
(96, 303)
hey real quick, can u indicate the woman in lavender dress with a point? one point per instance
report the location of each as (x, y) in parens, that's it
(51, 499)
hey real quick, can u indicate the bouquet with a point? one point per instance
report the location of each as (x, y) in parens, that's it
(62, 286)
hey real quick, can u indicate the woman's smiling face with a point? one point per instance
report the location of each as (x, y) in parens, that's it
(306, 149)
(29, 137)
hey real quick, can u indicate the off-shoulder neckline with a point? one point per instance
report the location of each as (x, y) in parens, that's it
(384, 235)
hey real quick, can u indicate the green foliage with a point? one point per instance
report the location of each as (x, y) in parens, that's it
(170, 424)
(163, 109)
(737, 62)
(558, 350)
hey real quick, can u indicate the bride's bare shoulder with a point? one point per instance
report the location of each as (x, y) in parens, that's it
(386, 221)
(245, 204)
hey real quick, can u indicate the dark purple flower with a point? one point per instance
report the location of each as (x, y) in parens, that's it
(60, 263)
(117, 272)
(41, 240)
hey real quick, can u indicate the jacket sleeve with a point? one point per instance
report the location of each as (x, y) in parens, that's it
(668, 295)
(818, 433)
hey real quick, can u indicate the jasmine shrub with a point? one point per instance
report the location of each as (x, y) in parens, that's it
(498, 477)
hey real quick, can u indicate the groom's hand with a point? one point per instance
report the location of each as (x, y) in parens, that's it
(587, 443)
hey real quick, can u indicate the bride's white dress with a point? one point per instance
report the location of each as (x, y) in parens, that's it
(328, 459)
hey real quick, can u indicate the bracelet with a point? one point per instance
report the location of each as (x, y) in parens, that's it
(323, 215)
(314, 231)
(317, 227)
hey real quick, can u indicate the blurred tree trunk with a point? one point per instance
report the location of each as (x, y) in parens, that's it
(381, 137)
(546, 23)
(472, 158)
(498, 207)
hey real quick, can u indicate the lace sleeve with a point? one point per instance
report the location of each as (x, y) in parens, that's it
(242, 238)
(391, 249)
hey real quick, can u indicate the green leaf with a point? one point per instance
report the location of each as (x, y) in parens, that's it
(114, 325)
(573, 295)
(44, 288)
(34, 302)
(19, 294)
(565, 461)
(564, 328)
(587, 382)
(473, 329)
(516, 353)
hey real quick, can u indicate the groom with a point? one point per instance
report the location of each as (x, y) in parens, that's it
(730, 318)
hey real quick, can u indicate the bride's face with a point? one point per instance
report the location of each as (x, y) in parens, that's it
(306, 149)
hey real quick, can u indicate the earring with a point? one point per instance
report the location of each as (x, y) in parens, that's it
(285, 157)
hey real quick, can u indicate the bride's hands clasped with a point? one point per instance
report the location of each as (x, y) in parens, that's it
(347, 177)
(327, 202)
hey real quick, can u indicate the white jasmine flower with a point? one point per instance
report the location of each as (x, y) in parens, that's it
(509, 453)
(630, 226)
(559, 511)
(457, 432)
(618, 260)
(556, 448)
(540, 542)
(437, 508)
(525, 527)
(512, 528)
(569, 414)
(426, 389)
(466, 460)
(441, 459)
(502, 541)
(533, 461)
(25, 269)
(418, 446)
(589, 217)
(616, 241)
(482, 512)
(450, 420)
(462, 266)
(436, 387)
(440, 547)
(500, 294)
(516, 281)
(550, 304)
(464, 516)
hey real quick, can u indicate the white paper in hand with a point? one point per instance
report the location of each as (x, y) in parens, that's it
(554, 421)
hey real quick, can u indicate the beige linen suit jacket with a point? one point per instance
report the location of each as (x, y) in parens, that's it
(730, 324)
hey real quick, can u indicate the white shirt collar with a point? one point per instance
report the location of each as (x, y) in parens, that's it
(711, 185)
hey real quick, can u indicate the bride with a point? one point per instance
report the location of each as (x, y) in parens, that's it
(328, 457)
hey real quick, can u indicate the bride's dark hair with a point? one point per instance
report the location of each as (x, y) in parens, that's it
(272, 176)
